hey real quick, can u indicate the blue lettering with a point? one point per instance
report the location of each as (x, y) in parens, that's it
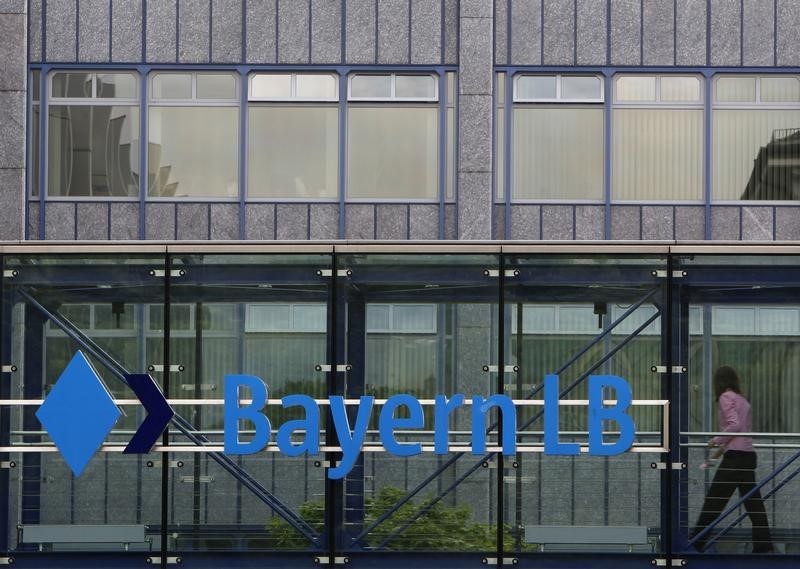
(551, 442)
(310, 425)
(598, 413)
(350, 442)
(388, 423)
(234, 413)
(480, 407)
(441, 410)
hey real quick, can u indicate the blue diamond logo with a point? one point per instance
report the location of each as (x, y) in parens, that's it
(78, 413)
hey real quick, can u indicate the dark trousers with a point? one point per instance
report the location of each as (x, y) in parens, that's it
(737, 470)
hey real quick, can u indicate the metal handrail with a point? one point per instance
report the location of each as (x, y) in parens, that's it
(744, 498)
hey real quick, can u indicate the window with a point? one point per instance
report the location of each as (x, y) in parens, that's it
(193, 135)
(393, 137)
(35, 79)
(293, 136)
(93, 135)
(557, 137)
(756, 137)
(657, 138)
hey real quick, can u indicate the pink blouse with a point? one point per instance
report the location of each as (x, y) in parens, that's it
(734, 417)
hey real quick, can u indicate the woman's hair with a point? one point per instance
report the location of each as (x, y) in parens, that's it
(725, 378)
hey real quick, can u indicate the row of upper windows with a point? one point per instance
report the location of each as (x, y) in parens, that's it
(653, 89)
(657, 139)
(223, 87)
(389, 141)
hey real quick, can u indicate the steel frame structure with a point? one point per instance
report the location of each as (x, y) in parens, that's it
(676, 278)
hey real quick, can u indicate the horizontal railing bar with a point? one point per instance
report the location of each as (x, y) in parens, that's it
(46, 448)
(423, 402)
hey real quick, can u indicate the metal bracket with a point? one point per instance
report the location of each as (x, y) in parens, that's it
(489, 464)
(157, 560)
(674, 369)
(325, 560)
(339, 272)
(496, 273)
(662, 274)
(325, 464)
(173, 368)
(202, 386)
(512, 387)
(6, 560)
(10, 274)
(328, 367)
(504, 561)
(172, 463)
(203, 479)
(663, 465)
(9, 368)
(162, 273)
(506, 369)
(8, 464)
(663, 562)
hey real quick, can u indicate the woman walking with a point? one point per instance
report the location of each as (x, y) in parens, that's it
(737, 469)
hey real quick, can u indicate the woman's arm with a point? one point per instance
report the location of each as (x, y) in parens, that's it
(730, 420)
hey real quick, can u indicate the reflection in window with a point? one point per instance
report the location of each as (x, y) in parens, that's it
(393, 152)
(552, 135)
(756, 134)
(93, 135)
(393, 146)
(193, 142)
(293, 150)
(657, 142)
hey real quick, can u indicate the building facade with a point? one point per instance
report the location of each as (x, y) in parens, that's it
(371, 197)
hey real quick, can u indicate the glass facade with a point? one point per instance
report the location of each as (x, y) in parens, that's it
(377, 321)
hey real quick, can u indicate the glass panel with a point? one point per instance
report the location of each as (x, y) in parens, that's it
(219, 86)
(636, 88)
(780, 89)
(415, 86)
(371, 86)
(658, 154)
(293, 152)
(551, 327)
(193, 152)
(536, 87)
(418, 358)
(116, 86)
(756, 154)
(736, 89)
(680, 89)
(451, 87)
(271, 86)
(36, 85)
(450, 175)
(113, 492)
(93, 151)
(748, 343)
(581, 87)
(393, 152)
(72, 85)
(549, 143)
(499, 149)
(34, 164)
(172, 86)
(316, 87)
(277, 334)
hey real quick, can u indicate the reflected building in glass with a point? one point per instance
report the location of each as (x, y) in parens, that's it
(360, 199)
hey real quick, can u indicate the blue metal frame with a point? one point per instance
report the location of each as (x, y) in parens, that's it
(346, 334)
